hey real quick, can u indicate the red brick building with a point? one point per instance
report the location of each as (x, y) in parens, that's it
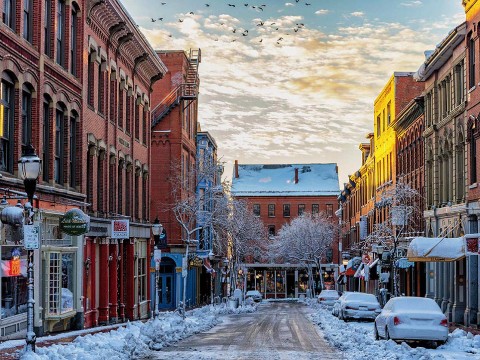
(119, 70)
(278, 194)
(173, 149)
(41, 103)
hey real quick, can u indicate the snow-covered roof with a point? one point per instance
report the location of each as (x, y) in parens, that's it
(279, 180)
(436, 249)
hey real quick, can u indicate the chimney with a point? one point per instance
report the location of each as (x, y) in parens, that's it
(236, 169)
(296, 175)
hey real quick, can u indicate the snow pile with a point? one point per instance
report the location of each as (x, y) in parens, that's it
(357, 342)
(137, 339)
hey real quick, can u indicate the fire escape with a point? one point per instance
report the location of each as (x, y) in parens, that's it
(187, 90)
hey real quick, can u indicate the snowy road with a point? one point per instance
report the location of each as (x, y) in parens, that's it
(276, 331)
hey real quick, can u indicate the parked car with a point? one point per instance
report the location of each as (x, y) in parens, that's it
(328, 297)
(359, 305)
(336, 303)
(254, 294)
(411, 318)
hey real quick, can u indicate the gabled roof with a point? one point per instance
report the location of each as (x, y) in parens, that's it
(279, 180)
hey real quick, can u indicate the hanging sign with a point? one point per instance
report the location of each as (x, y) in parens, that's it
(472, 244)
(31, 237)
(75, 222)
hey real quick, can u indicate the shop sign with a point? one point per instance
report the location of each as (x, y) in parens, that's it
(75, 222)
(473, 245)
(31, 236)
(13, 267)
(196, 261)
(120, 229)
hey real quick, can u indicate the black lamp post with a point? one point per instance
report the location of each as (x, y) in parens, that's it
(29, 167)
(157, 229)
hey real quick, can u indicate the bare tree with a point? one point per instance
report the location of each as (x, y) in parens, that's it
(305, 241)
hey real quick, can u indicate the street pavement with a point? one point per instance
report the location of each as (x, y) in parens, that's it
(278, 330)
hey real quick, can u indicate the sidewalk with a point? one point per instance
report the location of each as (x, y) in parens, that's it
(474, 331)
(11, 349)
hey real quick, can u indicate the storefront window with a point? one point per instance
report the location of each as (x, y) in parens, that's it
(259, 281)
(13, 271)
(280, 283)
(270, 281)
(142, 280)
(60, 282)
(302, 281)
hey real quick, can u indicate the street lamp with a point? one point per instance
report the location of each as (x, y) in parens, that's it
(157, 229)
(29, 167)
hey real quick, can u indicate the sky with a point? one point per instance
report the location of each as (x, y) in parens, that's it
(286, 82)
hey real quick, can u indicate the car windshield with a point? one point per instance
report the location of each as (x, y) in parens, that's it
(361, 297)
(329, 293)
(252, 292)
(414, 304)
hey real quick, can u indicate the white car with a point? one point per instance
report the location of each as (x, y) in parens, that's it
(336, 304)
(359, 306)
(412, 318)
(328, 297)
(254, 294)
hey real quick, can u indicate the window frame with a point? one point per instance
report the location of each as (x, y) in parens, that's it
(47, 28)
(271, 210)
(73, 150)
(7, 104)
(256, 209)
(27, 20)
(301, 209)
(26, 116)
(9, 15)
(286, 210)
(54, 285)
(59, 146)
(60, 33)
(315, 209)
(46, 140)
(329, 210)
(73, 40)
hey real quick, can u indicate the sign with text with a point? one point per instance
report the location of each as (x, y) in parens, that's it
(75, 222)
(120, 229)
(31, 237)
(472, 244)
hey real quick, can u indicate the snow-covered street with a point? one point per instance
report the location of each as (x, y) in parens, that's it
(356, 341)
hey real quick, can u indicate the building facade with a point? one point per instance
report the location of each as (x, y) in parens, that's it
(173, 150)
(119, 71)
(278, 194)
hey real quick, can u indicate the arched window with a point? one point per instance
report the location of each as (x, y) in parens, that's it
(26, 115)
(7, 108)
(59, 145)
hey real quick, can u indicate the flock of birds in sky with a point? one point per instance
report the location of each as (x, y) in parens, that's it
(239, 33)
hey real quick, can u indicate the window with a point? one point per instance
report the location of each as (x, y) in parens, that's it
(7, 137)
(14, 281)
(90, 78)
(27, 20)
(61, 33)
(286, 210)
(256, 209)
(90, 155)
(144, 127)
(101, 87)
(46, 141)
(379, 124)
(473, 157)
(329, 210)
(271, 210)
(100, 181)
(9, 13)
(137, 194)
(111, 184)
(120, 187)
(471, 62)
(59, 147)
(73, 42)
(47, 26)
(113, 97)
(60, 290)
(137, 119)
(271, 230)
(73, 151)
(26, 117)
(315, 209)
(128, 114)
(460, 170)
(459, 83)
(128, 191)
(388, 114)
(121, 107)
(301, 209)
(144, 196)
(142, 272)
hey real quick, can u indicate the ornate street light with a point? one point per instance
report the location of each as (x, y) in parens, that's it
(29, 167)
(157, 229)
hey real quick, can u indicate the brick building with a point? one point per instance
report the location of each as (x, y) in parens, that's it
(173, 149)
(118, 74)
(278, 194)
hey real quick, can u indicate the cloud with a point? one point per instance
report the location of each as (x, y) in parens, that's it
(414, 3)
(288, 4)
(357, 14)
(322, 12)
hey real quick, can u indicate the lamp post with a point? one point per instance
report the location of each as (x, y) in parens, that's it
(29, 167)
(157, 229)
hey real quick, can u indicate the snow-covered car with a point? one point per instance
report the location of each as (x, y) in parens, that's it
(411, 318)
(359, 305)
(336, 304)
(254, 294)
(328, 297)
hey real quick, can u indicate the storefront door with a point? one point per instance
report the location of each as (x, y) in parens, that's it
(165, 287)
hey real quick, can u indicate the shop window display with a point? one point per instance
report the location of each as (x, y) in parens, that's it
(60, 277)
(14, 281)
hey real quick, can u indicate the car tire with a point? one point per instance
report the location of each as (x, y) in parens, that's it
(441, 342)
(375, 332)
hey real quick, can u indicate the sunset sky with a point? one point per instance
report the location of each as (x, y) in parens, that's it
(299, 85)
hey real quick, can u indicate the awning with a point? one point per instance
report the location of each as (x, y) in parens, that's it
(359, 273)
(436, 249)
(403, 263)
(353, 265)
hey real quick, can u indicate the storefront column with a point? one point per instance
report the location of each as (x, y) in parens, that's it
(121, 281)
(113, 280)
(450, 284)
(470, 316)
(103, 299)
(458, 308)
(89, 286)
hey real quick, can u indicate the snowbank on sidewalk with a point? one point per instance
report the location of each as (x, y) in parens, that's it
(357, 342)
(137, 339)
